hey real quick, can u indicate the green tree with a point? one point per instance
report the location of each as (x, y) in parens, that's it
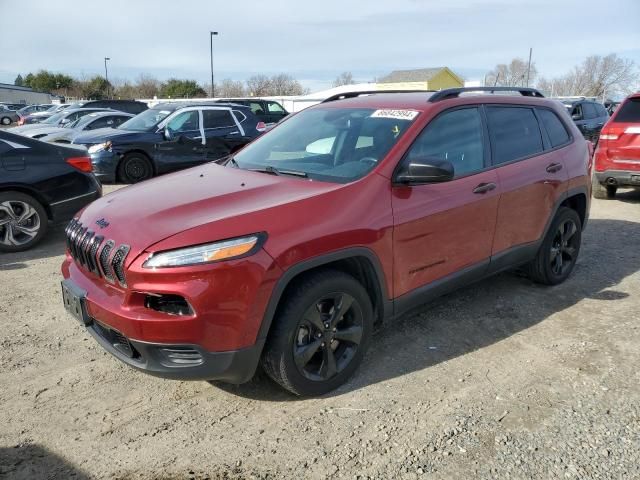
(46, 81)
(28, 79)
(19, 81)
(96, 88)
(175, 88)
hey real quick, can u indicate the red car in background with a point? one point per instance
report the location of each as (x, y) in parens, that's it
(617, 158)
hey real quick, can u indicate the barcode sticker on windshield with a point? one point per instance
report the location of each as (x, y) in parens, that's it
(395, 114)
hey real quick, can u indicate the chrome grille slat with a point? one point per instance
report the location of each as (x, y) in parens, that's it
(92, 252)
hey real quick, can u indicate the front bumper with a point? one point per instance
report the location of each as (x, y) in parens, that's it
(619, 178)
(105, 165)
(178, 362)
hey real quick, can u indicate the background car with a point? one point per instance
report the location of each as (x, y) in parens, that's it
(616, 161)
(60, 119)
(127, 106)
(168, 137)
(24, 111)
(7, 116)
(266, 110)
(38, 117)
(13, 106)
(91, 121)
(40, 183)
(588, 115)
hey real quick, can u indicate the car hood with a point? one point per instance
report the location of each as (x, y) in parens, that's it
(22, 129)
(205, 204)
(43, 130)
(101, 135)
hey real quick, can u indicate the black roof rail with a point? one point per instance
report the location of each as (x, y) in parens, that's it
(345, 95)
(455, 92)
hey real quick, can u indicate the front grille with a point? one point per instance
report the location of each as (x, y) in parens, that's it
(92, 252)
(117, 340)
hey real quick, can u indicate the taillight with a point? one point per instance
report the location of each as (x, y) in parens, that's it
(261, 127)
(21, 121)
(81, 163)
(608, 136)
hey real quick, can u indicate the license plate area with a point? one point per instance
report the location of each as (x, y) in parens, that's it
(73, 298)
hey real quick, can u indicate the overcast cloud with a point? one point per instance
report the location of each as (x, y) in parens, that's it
(313, 41)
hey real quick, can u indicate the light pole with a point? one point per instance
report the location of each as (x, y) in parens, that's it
(106, 73)
(213, 88)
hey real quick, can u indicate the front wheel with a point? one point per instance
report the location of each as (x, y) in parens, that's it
(134, 168)
(559, 250)
(320, 334)
(23, 222)
(5, 121)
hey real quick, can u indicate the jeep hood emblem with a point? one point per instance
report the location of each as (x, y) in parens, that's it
(102, 223)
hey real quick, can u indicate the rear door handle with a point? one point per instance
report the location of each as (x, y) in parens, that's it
(484, 187)
(554, 167)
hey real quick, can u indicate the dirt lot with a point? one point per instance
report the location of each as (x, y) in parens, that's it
(505, 379)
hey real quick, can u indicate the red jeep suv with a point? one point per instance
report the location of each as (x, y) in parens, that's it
(344, 215)
(617, 158)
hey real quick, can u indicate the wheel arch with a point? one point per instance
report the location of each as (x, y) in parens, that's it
(577, 200)
(32, 193)
(360, 262)
(123, 154)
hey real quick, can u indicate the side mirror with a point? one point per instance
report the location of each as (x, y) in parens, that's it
(424, 170)
(166, 133)
(576, 116)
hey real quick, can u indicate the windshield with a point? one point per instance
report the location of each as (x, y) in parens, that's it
(53, 108)
(54, 119)
(330, 144)
(145, 121)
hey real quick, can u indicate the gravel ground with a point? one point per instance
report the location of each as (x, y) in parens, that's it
(505, 379)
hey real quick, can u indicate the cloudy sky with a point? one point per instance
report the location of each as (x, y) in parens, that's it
(313, 41)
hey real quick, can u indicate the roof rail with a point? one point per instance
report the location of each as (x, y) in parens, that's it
(345, 95)
(455, 92)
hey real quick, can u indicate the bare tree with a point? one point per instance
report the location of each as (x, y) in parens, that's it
(284, 84)
(230, 88)
(147, 86)
(345, 78)
(596, 76)
(259, 85)
(512, 75)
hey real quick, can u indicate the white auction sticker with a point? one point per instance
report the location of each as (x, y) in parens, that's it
(396, 114)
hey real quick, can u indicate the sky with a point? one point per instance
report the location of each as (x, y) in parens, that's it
(312, 41)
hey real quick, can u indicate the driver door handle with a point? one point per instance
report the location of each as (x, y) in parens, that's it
(484, 188)
(554, 167)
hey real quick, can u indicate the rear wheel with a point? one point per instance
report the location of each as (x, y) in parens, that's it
(5, 121)
(134, 168)
(559, 250)
(23, 222)
(320, 334)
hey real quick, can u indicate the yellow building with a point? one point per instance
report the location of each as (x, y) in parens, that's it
(420, 79)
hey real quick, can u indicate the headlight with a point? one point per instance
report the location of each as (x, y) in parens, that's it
(99, 147)
(211, 252)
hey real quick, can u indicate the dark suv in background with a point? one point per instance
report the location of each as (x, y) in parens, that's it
(266, 110)
(588, 115)
(168, 137)
(127, 106)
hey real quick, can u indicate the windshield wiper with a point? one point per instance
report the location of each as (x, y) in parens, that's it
(275, 171)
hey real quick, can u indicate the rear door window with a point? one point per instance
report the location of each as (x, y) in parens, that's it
(588, 111)
(556, 130)
(515, 132)
(217, 119)
(600, 110)
(628, 112)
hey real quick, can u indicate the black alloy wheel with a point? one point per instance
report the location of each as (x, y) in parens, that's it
(564, 248)
(135, 168)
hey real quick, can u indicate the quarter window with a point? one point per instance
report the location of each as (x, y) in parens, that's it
(515, 133)
(217, 119)
(455, 137)
(556, 130)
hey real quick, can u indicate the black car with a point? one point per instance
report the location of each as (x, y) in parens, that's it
(266, 110)
(40, 183)
(168, 137)
(590, 116)
(127, 106)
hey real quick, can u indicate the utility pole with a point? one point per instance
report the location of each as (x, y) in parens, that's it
(106, 73)
(529, 66)
(213, 88)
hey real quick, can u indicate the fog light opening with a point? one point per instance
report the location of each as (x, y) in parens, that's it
(169, 304)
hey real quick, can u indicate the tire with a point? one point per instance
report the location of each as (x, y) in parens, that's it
(17, 235)
(5, 121)
(559, 250)
(306, 323)
(602, 192)
(134, 168)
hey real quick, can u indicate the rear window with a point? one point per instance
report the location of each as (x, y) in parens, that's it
(515, 132)
(628, 112)
(555, 128)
